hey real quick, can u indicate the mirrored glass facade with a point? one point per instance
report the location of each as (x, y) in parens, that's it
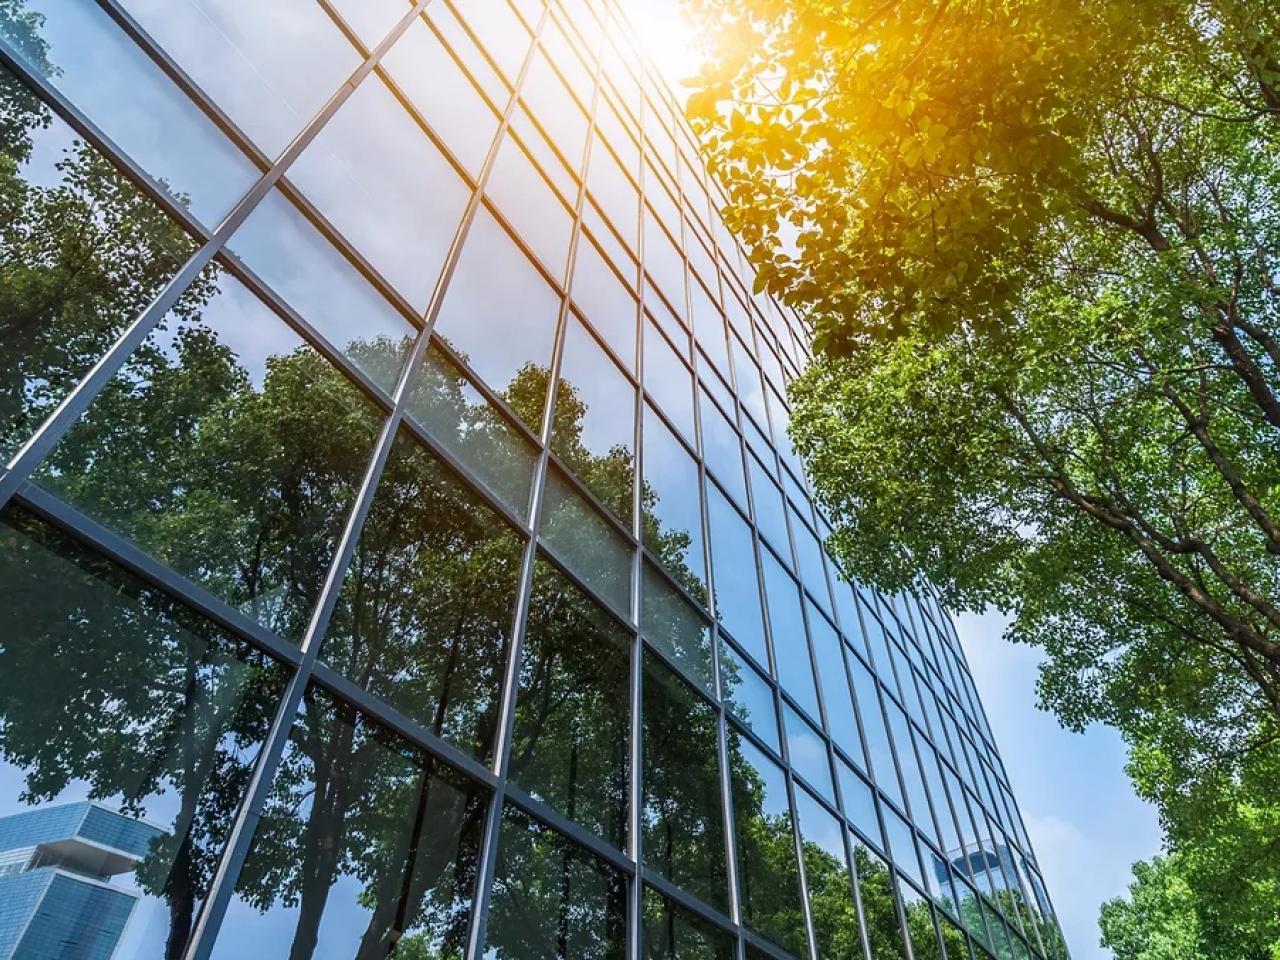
(401, 551)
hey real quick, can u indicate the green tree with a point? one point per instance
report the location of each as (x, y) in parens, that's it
(1159, 919)
(1038, 243)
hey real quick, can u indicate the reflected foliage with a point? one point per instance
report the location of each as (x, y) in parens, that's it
(109, 691)
(671, 933)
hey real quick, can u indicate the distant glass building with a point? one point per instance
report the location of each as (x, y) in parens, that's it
(397, 510)
(57, 901)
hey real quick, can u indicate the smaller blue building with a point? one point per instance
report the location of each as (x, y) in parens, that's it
(57, 899)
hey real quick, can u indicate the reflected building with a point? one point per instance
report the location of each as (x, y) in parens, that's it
(57, 863)
(397, 510)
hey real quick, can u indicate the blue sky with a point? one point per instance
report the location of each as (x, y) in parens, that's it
(1085, 822)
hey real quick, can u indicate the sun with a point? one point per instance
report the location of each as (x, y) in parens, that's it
(668, 36)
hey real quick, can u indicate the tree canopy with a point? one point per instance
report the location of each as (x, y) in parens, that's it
(1038, 242)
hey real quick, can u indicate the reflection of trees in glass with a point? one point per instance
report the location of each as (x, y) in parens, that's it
(82, 251)
(350, 800)
(553, 899)
(105, 681)
(671, 933)
(875, 885)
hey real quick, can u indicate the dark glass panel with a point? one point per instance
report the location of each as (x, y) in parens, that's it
(130, 730)
(283, 248)
(593, 427)
(737, 589)
(95, 65)
(672, 933)
(374, 175)
(676, 628)
(879, 907)
(672, 506)
(366, 848)
(790, 645)
(569, 746)
(552, 899)
(808, 753)
(500, 315)
(826, 874)
(271, 65)
(682, 820)
(424, 615)
(748, 696)
(581, 538)
(230, 450)
(84, 253)
(768, 879)
(458, 416)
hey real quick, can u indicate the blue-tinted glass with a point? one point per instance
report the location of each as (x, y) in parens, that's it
(790, 645)
(671, 505)
(386, 187)
(708, 326)
(902, 845)
(593, 428)
(271, 65)
(859, 803)
(585, 541)
(808, 753)
(500, 314)
(748, 695)
(828, 658)
(92, 62)
(910, 769)
(278, 244)
(676, 627)
(668, 381)
(722, 450)
(810, 556)
(736, 587)
(770, 514)
(605, 301)
(878, 750)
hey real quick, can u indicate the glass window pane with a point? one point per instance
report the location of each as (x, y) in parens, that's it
(585, 541)
(457, 415)
(682, 819)
(771, 515)
(808, 753)
(436, 85)
(878, 752)
(569, 745)
(594, 427)
(282, 247)
(722, 450)
(768, 879)
(790, 645)
(748, 696)
(84, 253)
(859, 802)
(810, 554)
(531, 206)
(555, 109)
(499, 31)
(879, 907)
(668, 381)
(671, 933)
(902, 844)
(553, 899)
(130, 724)
(424, 614)
(366, 847)
(613, 192)
(270, 65)
(386, 187)
(663, 262)
(708, 324)
(826, 874)
(228, 449)
(92, 62)
(676, 628)
(372, 20)
(737, 590)
(605, 301)
(672, 507)
(829, 657)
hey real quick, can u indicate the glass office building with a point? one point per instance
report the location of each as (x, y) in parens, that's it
(398, 518)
